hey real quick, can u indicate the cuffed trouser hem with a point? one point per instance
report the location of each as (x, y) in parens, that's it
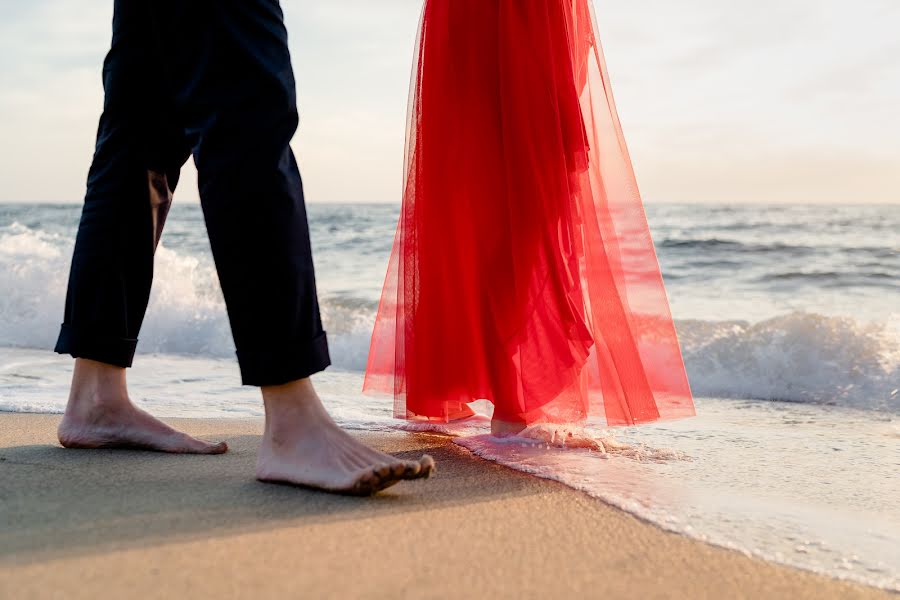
(279, 365)
(102, 348)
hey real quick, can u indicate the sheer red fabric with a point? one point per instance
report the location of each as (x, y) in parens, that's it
(522, 270)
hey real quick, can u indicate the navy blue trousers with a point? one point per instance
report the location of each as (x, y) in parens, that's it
(210, 79)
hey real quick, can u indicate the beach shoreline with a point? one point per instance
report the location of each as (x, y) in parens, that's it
(138, 524)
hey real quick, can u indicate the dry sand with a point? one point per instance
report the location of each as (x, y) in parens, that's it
(122, 524)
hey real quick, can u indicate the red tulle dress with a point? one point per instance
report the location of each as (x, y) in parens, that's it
(522, 271)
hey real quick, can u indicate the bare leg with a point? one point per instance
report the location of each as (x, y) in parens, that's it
(100, 415)
(303, 446)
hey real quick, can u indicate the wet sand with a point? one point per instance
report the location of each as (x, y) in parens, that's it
(122, 524)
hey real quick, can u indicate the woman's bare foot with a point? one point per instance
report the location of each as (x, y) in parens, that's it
(100, 415)
(502, 428)
(559, 436)
(303, 446)
(463, 412)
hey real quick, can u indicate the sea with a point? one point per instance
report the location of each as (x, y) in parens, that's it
(788, 315)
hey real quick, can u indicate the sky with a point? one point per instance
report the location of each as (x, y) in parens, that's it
(763, 101)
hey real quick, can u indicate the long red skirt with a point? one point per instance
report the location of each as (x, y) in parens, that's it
(522, 271)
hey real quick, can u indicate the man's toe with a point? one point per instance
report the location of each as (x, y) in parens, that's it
(427, 466)
(218, 448)
(411, 469)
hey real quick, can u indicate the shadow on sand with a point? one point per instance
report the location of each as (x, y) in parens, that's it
(55, 502)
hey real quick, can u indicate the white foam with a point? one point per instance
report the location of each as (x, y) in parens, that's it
(40, 408)
(798, 357)
(794, 484)
(33, 275)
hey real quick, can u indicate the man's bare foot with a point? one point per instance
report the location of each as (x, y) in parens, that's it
(100, 415)
(303, 446)
(502, 428)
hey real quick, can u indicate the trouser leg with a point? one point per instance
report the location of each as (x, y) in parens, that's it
(232, 76)
(138, 155)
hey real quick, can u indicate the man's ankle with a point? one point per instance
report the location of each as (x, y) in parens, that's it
(291, 391)
(291, 398)
(292, 409)
(96, 387)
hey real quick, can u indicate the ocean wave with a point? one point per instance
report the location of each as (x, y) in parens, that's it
(800, 357)
(797, 357)
(835, 247)
(186, 313)
(724, 245)
(855, 278)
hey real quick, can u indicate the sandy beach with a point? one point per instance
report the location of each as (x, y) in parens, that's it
(114, 524)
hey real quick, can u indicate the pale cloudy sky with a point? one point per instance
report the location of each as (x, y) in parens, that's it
(762, 100)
